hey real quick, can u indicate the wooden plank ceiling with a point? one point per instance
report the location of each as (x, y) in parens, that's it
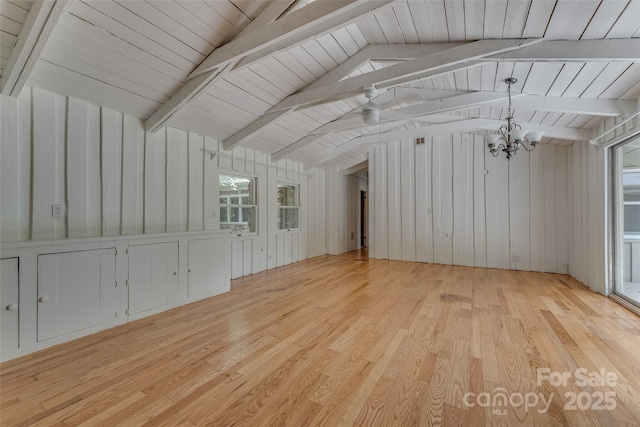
(288, 78)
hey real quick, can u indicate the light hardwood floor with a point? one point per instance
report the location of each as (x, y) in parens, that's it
(338, 340)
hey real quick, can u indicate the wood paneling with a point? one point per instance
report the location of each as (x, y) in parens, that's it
(316, 217)
(9, 166)
(134, 56)
(469, 208)
(397, 343)
(13, 14)
(587, 204)
(113, 178)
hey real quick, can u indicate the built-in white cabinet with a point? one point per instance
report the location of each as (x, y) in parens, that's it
(153, 277)
(76, 290)
(209, 267)
(10, 305)
(56, 291)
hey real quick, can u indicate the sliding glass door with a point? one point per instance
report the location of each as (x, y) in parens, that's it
(626, 224)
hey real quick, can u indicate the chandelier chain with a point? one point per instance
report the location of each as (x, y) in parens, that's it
(509, 96)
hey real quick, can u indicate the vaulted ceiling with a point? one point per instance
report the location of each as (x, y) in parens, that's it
(288, 77)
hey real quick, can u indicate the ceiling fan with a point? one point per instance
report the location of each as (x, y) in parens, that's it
(370, 110)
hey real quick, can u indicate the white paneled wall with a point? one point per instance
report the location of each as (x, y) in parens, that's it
(448, 201)
(587, 205)
(316, 226)
(112, 178)
(588, 201)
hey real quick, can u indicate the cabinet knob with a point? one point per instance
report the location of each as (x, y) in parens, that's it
(43, 299)
(189, 270)
(12, 307)
(175, 273)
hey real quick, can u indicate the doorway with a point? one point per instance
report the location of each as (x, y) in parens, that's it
(357, 208)
(626, 220)
(364, 219)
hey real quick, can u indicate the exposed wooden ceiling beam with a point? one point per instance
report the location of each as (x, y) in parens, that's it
(294, 28)
(303, 142)
(187, 93)
(379, 52)
(245, 133)
(372, 52)
(453, 103)
(445, 60)
(272, 12)
(395, 117)
(291, 148)
(261, 41)
(466, 125)
(429, 65)
(589, 106)
(607, 50)
(416, 94)
(344, 148)
(41, 20)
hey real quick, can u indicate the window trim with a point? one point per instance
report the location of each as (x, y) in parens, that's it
(254, 178)
(298, 207)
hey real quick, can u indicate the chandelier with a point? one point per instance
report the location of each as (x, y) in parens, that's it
(510, 137)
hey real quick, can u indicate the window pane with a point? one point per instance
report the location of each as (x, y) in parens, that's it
(288, 218)
(292, 218)
(248, 218)
(251, 198)
(626, 196)
(287, 195)
(234, 215)
(235, 190)
(235, 185)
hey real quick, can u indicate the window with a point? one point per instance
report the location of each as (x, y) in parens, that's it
(238, 205)
(288, 206)
(631, 201)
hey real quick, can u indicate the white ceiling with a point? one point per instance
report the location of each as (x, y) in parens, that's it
(285, 81)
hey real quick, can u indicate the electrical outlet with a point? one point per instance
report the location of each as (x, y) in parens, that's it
(57, 210)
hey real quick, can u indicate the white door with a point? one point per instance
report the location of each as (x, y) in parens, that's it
(71, 292)
(10, 306)
(201, 267)
(153, 274)
(209, 267)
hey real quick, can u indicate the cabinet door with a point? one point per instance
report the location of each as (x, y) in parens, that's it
(71, 292)
(222, 264)
(10, 306)
(201, 269)
(153, 272)
(107, 261)
(209, 267)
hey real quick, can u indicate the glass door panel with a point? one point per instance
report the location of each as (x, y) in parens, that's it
(626, 182)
